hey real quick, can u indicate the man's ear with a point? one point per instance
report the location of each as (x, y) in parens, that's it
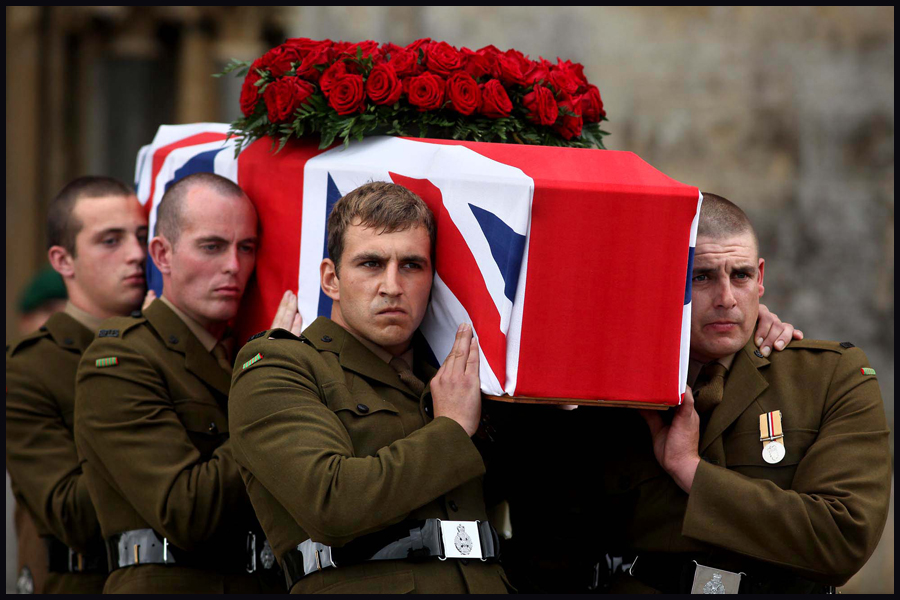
(61, 261)
(330, 280)
(161, 252)
(762, 268)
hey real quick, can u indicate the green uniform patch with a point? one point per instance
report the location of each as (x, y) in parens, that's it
(252, 361)
(866, 371)
(106, 362)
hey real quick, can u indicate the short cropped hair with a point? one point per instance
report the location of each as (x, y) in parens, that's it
(386, 206)
(62, 225)
(171, 207)
(720, 217)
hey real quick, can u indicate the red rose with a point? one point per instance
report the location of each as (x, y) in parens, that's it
(305, 44)
(383, 86)
(491, 55)
(539, 72)
(391, 48)
(576, 69)
(348, 95)
(278, 60)
(425, 91)
(442, 58)
(405, 63)
(541, 106)
(513, 67)
(249, 90)
(592, 105)
(569, 126)
(477, 65)
(414, 47)
(369, 48)
(315, 55)
(463, 93)
(564, 81)
(331, 75)
(284, 96)
(495, 102)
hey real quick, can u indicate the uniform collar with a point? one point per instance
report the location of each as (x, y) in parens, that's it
(695, 366)
(207, 339)
(177, 336)
(68, 332)
(327, 336)
(83, 317)
(384, 354)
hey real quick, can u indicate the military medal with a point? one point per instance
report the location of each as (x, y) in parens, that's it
(772, 437)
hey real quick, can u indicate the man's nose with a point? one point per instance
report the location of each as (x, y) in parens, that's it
(725, 294)
(232, 261)
(136, 250)
(390, 284)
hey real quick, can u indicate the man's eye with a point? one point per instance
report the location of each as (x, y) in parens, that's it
(412, 265)
(369, 264)
(110, 241)
(209, 247)
(142, 239)
(248, 249)
(741, 276)
(699, 278)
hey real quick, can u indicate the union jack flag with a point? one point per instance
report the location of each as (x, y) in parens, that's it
(572, 265)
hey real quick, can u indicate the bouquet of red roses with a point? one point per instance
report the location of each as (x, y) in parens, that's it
(345, 91)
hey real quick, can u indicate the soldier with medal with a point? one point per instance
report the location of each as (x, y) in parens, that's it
(774, 474)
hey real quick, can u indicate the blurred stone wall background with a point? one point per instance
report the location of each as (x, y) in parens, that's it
(787, 111)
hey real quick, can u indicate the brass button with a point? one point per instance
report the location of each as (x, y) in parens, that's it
(453, 506)
(173, 339)
(362, 408)
(326, 338)
(213, 428)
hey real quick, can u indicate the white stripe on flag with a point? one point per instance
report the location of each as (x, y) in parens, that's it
(686, 312)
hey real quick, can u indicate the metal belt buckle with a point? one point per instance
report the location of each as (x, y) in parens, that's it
(460, 539)
(76, 561)
(715, 581)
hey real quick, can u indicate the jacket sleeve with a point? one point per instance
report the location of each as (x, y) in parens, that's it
(829, 523)
(298, 449)
(42, 461)
(129, 432)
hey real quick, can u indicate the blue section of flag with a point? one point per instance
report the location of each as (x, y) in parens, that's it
(332, 196)
(507, 247)
(205, 162)
(690, 272)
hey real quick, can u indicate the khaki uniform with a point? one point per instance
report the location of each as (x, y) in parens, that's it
(40, 447)
(333, 446)
(152, 427)
(813, 518)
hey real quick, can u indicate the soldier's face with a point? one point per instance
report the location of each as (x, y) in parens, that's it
(208, 267)
(110, 250)
(726, 288)
(384, 284)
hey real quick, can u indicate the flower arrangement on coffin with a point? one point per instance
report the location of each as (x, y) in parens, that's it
(346, 91)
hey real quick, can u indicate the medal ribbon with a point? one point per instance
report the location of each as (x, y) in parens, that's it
(770, 427)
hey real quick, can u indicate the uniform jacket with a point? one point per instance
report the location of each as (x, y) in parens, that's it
(153, 430)
(332, 446)
(817, 514)
(40, 446)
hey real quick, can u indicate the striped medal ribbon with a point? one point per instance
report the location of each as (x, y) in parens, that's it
(772, 437)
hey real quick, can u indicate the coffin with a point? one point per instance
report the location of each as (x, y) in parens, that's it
(572, 265)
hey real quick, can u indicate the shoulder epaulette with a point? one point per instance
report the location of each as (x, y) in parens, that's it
(281, 334)
(256, 335)
(817, 345)
(121, 325)
(28, 340)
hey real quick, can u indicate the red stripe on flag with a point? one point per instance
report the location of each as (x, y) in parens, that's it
(274, 183)
(159, 157)
(458, 269)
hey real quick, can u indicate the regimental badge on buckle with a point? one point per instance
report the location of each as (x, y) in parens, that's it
(715, 581)
(772, 437)
(460, 539)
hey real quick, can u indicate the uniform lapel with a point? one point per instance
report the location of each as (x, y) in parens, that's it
(178, 338)
(745, 383)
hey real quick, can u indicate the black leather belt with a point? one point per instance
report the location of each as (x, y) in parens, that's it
(62, 559)
(146, 546)
(674, 574)
(410, 540)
